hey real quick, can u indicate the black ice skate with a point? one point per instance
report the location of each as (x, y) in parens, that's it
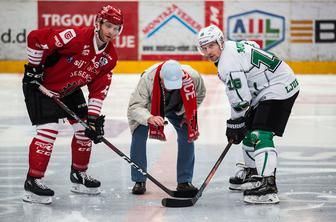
(83, 183)
(265, 192)
(243, 179)
(36, 191)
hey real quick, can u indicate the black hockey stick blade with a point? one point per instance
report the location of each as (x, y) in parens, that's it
(169, 202)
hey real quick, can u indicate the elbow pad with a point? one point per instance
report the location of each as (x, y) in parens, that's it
(241, 106)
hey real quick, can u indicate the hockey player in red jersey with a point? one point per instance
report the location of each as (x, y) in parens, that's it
(64, 60)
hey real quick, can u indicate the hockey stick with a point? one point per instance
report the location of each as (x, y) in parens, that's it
(170, 202)
(183, 194)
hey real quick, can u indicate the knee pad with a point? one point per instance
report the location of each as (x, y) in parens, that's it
(262, 139)
(247, 143)
(79, 131)
(47, 132)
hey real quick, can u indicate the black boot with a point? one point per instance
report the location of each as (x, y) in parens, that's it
(36, 191)
(243, 179)
(83, 183)
(265, 192)
(35, 186)
(139, 188)
(186, 187)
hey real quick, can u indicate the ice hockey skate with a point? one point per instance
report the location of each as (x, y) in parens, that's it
(265, 192)
(37, 192)
(243, 179)
(83, 183)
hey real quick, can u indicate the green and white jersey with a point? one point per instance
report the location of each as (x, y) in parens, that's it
(253, 75)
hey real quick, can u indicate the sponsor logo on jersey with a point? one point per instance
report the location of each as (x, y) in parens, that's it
(265, 28)
(95, 64)
(292, 86)
(67, 35)
(86, 50)
(57, 42)
(79, 63)
(82, 74)
(69, 59)
(92, 69)
(102, 61)
(107, 55)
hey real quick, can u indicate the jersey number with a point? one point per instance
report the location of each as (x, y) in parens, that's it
(234, 84)
(269, 60)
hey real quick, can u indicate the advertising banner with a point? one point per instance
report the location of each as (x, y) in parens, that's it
(312, 31)
(169, 29)
(156, 30)
(214, 12)
(82, 13)
(17, 20)
(301, 31)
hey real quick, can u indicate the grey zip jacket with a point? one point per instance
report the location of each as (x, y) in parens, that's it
(140, 101)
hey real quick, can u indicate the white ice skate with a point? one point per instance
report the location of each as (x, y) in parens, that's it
(263, 199)
(33, 198)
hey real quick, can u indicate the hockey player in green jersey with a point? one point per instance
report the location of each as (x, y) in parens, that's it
(261, 90)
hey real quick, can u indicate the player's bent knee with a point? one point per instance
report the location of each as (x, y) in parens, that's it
(247, 142)
(262, 139)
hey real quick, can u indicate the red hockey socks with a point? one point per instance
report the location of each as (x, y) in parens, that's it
(81, 151)
(40, 150)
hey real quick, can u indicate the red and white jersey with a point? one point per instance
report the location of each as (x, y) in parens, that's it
(72, 59)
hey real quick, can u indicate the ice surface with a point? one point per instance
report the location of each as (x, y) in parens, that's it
(306, 175)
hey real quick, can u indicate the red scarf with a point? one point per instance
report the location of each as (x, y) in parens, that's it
(188, 95)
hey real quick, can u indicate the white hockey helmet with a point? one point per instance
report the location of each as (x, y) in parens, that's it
(210, 34)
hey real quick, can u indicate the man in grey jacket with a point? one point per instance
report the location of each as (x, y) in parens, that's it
(174, 91)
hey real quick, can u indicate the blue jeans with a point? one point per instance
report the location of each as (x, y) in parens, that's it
(185, 155)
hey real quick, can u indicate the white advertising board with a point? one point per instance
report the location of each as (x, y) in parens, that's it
(294, 30)
(169, 28)
(299, 31)
(17, 18)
